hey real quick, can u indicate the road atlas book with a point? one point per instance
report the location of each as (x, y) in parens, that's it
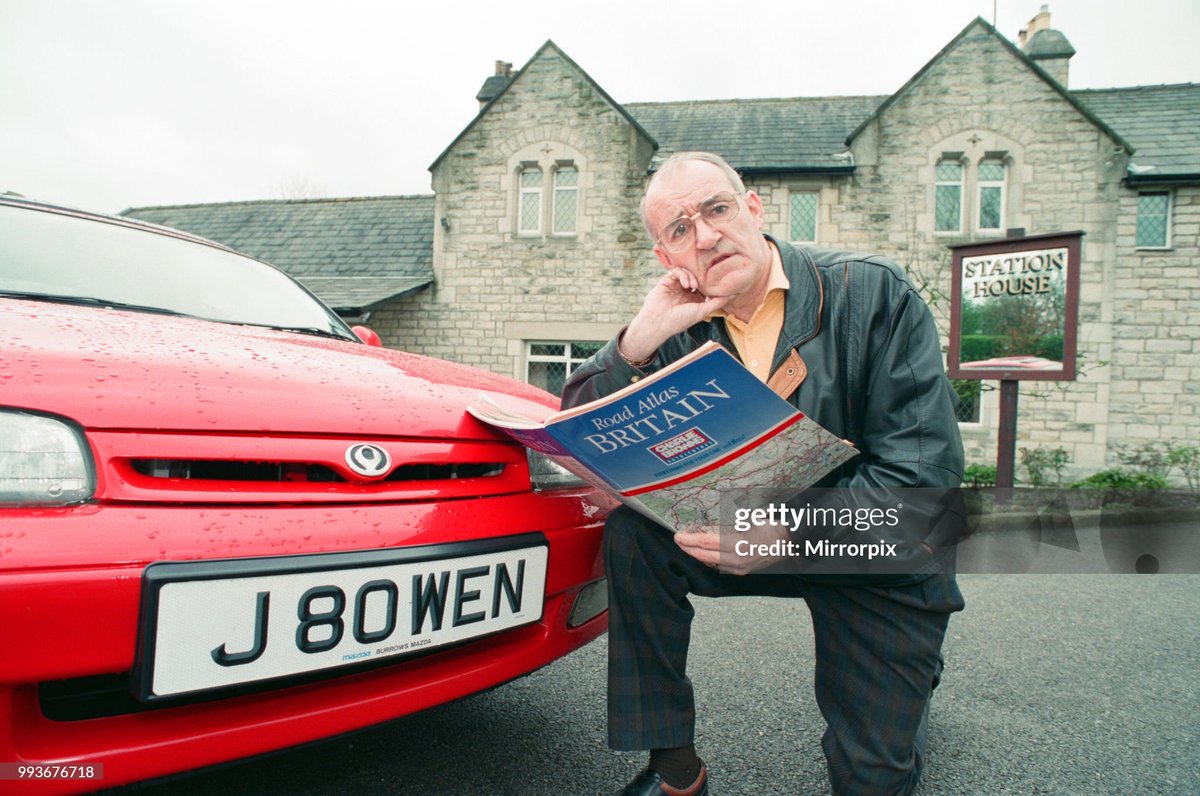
(672, 444)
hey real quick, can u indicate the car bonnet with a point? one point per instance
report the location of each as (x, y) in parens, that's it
(135, 371)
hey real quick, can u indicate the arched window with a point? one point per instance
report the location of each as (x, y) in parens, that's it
(529, 212)
(992, 173)
(948, 195)
(566, 200)
(546, 188)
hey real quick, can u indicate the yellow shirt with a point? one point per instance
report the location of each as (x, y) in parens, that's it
(755, 341)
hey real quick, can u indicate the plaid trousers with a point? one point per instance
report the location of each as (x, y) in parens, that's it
(878, 655)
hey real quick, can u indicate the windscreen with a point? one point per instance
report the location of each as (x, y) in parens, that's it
(69, 257)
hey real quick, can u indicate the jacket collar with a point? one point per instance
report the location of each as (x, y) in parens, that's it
(806, 296)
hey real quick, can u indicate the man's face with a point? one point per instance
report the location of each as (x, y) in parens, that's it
(731, 259)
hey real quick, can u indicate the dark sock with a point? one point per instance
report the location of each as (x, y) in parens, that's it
(678, 767)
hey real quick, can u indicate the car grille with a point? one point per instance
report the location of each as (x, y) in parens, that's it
(201, 470)
(252, 469)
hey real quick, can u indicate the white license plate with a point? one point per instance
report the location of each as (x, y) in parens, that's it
(218, 624)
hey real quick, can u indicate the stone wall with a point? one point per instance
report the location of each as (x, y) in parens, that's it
(1156, 329)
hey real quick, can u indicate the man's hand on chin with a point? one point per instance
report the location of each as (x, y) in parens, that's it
(674, 304)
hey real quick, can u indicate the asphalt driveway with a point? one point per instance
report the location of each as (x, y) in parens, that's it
(1055, 684)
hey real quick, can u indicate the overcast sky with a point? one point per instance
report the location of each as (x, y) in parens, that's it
(108, 104)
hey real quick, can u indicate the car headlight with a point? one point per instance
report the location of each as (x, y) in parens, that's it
(43, 461)
(545, 473)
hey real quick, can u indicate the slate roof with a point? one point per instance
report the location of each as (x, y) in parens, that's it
(357, 254)
(760, 135)
(354, 254)
(1161, 123)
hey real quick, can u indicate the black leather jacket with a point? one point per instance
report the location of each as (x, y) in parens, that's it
(873, 360)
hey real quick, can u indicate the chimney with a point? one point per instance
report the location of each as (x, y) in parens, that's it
(1040, 21)
(496, 83)
(1046, 47)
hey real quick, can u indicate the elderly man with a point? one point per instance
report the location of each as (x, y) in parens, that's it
(847, 340)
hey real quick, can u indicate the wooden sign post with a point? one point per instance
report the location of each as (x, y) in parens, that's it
(1014, 315)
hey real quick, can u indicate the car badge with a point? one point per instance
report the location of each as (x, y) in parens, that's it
(369, 461)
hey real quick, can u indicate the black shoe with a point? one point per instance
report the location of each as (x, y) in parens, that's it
(650, 783)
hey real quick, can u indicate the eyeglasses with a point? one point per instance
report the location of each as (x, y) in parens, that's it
(680, 233)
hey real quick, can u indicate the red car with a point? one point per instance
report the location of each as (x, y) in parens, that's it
(229, 526)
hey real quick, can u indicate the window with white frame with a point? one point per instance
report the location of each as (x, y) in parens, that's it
(547, 364)
(992, 173)
(948, 194)
(1154, 220)
(566, 200)
(970, 397)
(529, 207)
(802, 216)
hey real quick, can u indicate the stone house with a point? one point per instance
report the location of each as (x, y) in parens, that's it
(531, 250)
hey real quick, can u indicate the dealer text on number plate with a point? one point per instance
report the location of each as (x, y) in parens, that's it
(219, 632)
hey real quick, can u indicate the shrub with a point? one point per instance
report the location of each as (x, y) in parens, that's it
(978, 476)
(1187, 459)
(1150, 457)
(1160, 457)
(973, 347)
(1039, 461)
(1050, 347)
(1118, 478)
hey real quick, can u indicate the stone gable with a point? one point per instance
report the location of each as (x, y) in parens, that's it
(497, 287)
(978, 101)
